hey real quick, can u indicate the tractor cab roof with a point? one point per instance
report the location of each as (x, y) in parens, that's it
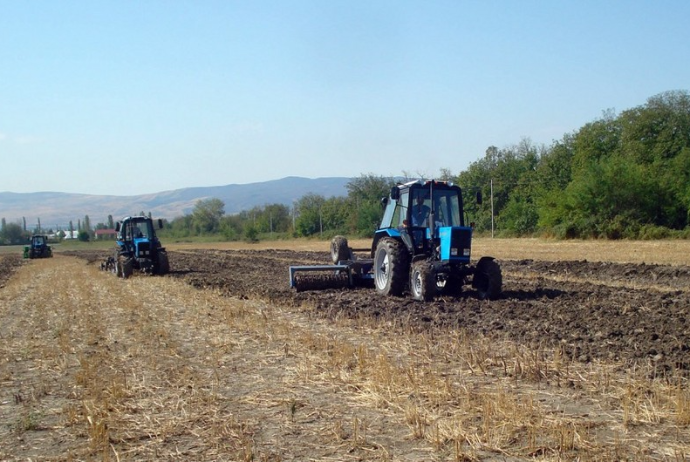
(139, 218)
(418, 185)
(425, 184)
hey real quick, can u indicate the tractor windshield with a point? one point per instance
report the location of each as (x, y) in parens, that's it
(447, 208)
(138, 230)
(445, 204)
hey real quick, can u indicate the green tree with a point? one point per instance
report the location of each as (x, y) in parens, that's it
(271, 218)
(309, 220)
(627, 173)
(206, 215)
(181, 226)
(251, 234)
(509, 176)
(13, 234)
(364, 201)
(232, 227)
(334, 213)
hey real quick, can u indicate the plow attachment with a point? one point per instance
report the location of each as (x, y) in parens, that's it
(346, 270)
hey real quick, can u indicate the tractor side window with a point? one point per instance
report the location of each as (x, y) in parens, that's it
(454, 211)
(400, 212)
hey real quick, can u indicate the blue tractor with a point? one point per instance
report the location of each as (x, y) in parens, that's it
(422, 245)
(38, 248)
(138, 248)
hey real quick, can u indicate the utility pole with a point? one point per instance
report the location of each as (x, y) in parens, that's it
(492, 208)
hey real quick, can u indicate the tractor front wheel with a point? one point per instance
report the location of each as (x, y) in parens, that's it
(124, 267)
(422, 281)
(391, 266)
(163, 266)
(488, 279)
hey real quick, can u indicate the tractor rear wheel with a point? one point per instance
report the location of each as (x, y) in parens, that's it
(339, 249)
(422, 281)
(488, 279)
(391, 267)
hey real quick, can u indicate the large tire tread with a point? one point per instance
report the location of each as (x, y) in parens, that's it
(488, 280)
(422, 281)
(340, 250)
(391, 267)
(163, 265)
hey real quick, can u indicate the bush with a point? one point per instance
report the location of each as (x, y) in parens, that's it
(653, 232)
(251, 234)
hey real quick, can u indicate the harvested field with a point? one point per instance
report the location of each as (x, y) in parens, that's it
(221, 360)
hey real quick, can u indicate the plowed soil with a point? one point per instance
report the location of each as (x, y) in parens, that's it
(630, 313)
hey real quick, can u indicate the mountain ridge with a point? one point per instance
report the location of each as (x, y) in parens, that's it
(57, 209)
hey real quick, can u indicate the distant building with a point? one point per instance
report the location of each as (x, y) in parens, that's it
(104, 234)
(71, 234)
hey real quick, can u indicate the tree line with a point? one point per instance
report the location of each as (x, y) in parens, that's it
(620, 176)
(356, 214)
(20, 232)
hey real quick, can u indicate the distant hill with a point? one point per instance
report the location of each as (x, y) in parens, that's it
(57, 209)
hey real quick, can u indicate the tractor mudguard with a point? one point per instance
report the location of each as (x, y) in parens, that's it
(381, 233)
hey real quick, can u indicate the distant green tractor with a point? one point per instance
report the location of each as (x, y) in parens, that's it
(39, 247)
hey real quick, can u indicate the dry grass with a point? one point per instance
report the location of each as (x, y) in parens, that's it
(670, 252)
(92, 367)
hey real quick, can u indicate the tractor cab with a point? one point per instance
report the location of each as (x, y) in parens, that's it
(424, 215)
(137, 229)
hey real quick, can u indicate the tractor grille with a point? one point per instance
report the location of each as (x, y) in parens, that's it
(144, 249)
(459, 240)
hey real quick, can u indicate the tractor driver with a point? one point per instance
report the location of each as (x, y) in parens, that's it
(420, 212)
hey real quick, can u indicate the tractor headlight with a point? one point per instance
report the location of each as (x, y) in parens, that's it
(454, 252)
(466, 252)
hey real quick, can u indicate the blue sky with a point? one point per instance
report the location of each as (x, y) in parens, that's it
(134, 97)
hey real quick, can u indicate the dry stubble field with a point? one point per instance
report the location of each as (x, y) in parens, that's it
(220, 360)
